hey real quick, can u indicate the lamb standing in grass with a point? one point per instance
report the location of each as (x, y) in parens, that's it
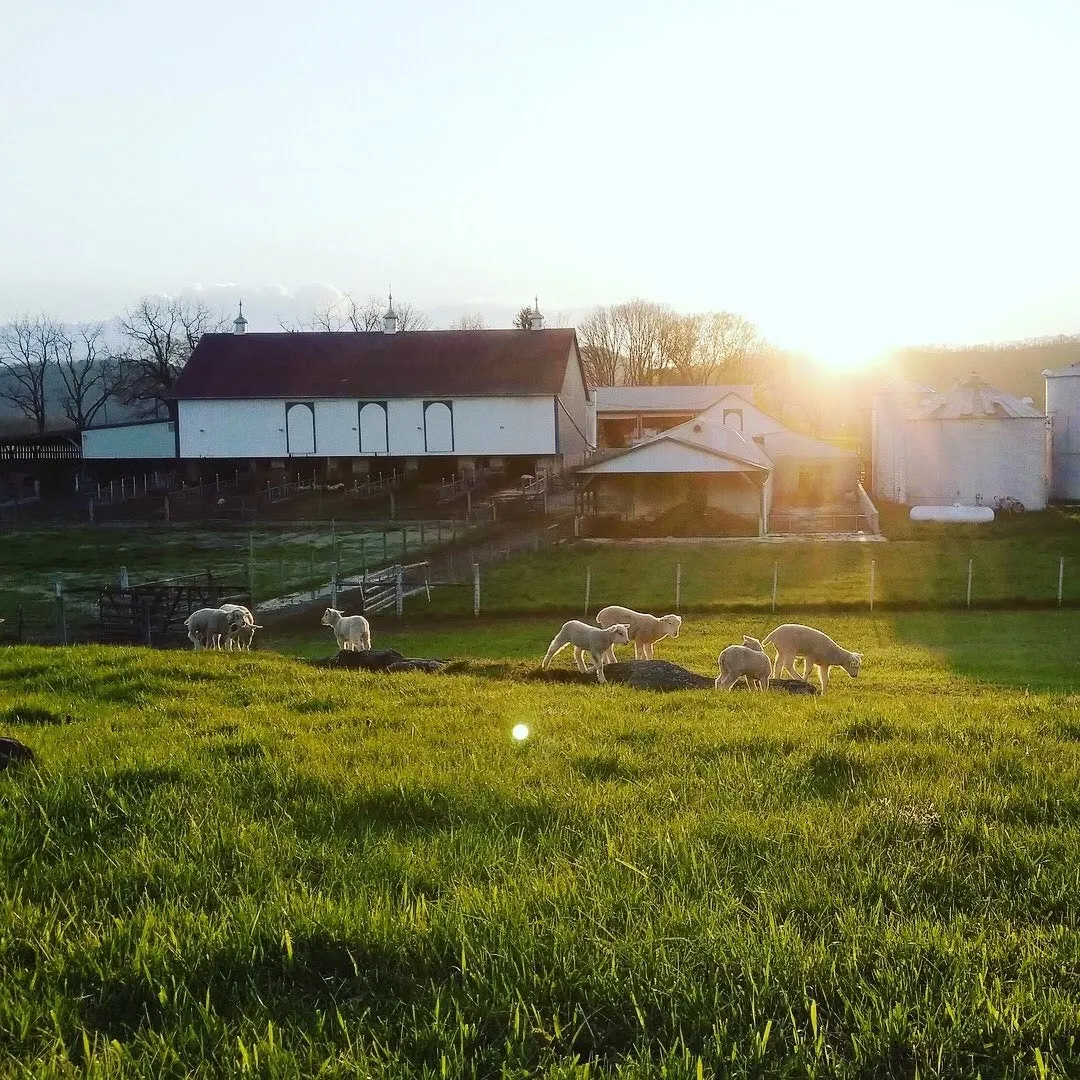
(208, 628)
(598, 643)
(243, 637)
(645, 629)
(818, 649)
(353, 632)
(748, 660)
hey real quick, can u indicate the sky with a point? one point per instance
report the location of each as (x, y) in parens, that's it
(849, 174)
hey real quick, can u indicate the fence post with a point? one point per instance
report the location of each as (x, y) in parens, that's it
(404, 544)
(61, 620)
(422, 534)
(166, 508)
(399, 592)
(391, 505)
(1061, 577)
(970, 562)
(476, 588)
(678, 586)
(385, 555)
(873, 567)
(90, 509)
(251, 566)
(775, 572)
(333, 590)
(588, 587)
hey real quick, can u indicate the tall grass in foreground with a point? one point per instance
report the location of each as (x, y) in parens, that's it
(247, 866)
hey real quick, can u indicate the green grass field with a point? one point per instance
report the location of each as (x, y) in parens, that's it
(246, 866)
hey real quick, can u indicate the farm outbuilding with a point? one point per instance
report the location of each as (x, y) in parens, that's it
(735, 459)
(971, 446)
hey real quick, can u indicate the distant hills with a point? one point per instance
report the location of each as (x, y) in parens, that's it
(1015, 366)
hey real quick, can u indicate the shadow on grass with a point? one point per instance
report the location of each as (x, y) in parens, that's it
(1016, 649)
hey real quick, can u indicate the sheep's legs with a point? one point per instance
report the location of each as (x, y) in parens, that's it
(823, 672)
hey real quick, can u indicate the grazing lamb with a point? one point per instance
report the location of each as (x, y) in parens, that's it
(645, 630)
(818, 649)
(209, 627)
(588, 639)
(243, 637)
(353, 632)
(739, 661)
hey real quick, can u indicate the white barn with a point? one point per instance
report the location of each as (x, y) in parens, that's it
(430, 403)
(970, 446)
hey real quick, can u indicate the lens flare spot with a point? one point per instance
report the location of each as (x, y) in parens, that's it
(520, 732)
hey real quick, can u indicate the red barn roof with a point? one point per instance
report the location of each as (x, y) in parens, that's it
(413, 363)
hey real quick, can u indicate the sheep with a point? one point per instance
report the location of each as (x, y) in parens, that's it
(588, 639)
(645, 630)
(818, 649)
(243, 637)
(208, 628)
(737, 661)
(353, 632)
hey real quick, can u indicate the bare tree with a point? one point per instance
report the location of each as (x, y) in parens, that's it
(161, 332)
(469, 322)
(27, 348)
(730, 349)
(640, 322)
(345, 313)
(523, 319)
(679, 347)
(600, 337)
(409, 318)
(89, 370)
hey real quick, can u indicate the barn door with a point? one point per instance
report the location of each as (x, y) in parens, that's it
(374, 433)
(300, 428)
(438, 427)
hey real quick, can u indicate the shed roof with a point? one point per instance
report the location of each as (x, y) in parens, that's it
(696, 446)
(974, 399)
(662, 399)
(414, 363)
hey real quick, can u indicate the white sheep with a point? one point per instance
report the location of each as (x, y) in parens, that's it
(738, 661)
(645, 629)
(243, 637)
(353, 632)
(818, 650)
(208, 628)
(598, 643)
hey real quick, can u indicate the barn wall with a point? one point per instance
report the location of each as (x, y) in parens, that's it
(233, 429)
(815, 481)
(572, 412)
(505, 425)
(970, 461)
(132, 441)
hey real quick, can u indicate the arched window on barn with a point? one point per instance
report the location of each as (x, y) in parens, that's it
(300, 428)
(438, 427)
(374, 432)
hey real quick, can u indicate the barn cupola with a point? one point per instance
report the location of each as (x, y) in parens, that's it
(536, 320)
(389, 321)
(240, 323)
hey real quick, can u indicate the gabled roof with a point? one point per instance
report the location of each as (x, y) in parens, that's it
(974, 400)
(696, 446)
(661, 399)
(412, 363)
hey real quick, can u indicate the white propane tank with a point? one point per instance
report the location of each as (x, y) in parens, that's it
(968, 515)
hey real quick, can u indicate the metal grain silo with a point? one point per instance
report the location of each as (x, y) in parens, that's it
(1063, 409)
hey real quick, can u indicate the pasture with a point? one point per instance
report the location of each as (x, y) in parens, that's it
(248, 866)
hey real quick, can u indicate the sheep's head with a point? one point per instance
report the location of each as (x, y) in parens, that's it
(672, 624)
(752, 643)
(853, 663)
(330, 616)
(237, 620)
(620, 633)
